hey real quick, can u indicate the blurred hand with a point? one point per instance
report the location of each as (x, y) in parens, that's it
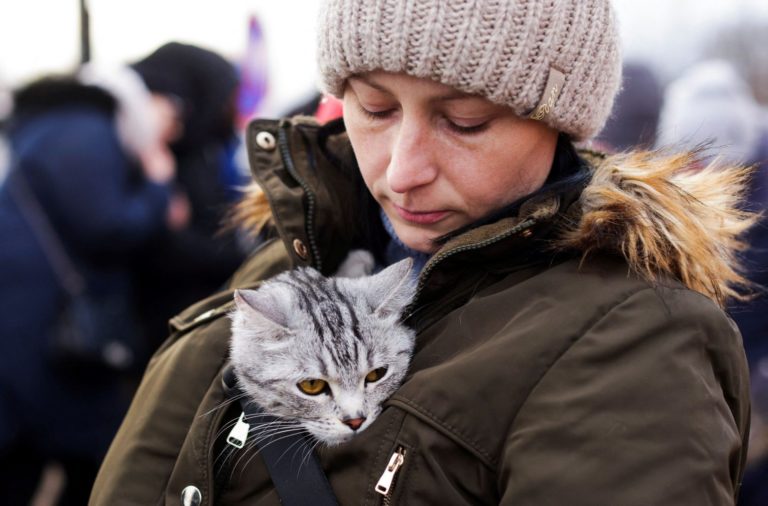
(179, 212)
(158, 164)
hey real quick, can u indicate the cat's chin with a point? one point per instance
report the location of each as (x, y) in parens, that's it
(334, 440)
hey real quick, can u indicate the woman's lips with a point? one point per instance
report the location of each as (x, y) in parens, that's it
(420, 217)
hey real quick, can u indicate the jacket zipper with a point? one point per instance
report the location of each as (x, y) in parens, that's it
(239, 433)
(282, 139)
(385, 485)
(469, 247)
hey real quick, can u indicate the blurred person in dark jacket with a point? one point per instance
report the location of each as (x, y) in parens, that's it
(711, 105)
(96, 153)
(183, 265)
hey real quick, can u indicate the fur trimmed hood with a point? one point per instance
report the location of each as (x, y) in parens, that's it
(667, 215)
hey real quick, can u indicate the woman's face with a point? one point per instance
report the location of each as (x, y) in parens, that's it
(437, 159)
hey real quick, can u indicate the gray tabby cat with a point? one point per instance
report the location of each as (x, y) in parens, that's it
(324, 352)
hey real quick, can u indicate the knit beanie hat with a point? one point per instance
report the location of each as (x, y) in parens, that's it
(557, 61)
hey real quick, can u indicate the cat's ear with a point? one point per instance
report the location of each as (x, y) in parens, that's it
(261, 304)
(393, 288)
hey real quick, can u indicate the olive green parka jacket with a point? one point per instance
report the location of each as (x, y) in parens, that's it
(573, 353)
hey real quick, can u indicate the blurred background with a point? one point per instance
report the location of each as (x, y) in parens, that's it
(40, 36)
(696, 75)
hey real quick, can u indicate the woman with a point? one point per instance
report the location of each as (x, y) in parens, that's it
(570, 344)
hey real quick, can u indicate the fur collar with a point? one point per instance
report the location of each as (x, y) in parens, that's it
(667, 215)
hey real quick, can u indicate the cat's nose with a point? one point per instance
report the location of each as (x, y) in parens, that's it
(353, 423)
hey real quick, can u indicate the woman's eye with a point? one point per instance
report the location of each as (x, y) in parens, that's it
(375, 375)
(313, 386)
(381, 114)
(467, 129)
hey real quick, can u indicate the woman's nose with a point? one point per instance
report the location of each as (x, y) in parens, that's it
(413, 161)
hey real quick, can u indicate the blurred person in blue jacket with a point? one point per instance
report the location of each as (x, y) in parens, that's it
(96, 151)
(711, 106)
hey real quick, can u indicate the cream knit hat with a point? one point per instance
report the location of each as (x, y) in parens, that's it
(554, 60)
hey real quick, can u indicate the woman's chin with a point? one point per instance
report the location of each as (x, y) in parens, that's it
(418, 240)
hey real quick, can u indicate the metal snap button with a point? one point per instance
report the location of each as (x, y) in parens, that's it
(191, 496)
(266, 141)
(301, 249)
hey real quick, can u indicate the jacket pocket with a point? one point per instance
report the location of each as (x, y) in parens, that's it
(394, 476)
(421, 465)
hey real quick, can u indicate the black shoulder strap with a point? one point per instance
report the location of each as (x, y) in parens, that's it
(299, 482)
(50, 242)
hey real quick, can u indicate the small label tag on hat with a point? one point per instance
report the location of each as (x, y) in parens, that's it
(552, 91)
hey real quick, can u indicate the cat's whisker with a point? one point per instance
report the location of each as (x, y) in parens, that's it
(228, 426)
(309, 450)
(221, 454)
(283, 435)
(300, 441)
(226, 453)
(266, 427)
(277, 418)
(250, 420)
(277, 435)
(303, 452)
(247, 462)
(308, 443)
(223, 404)
(225, 428)
(247, 449)
(279, 427)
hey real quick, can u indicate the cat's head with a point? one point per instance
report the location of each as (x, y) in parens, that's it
(326, 352)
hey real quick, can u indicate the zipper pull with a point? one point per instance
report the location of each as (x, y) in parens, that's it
(395, 463)
(239, 432)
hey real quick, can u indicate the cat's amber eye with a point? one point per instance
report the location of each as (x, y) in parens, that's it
(375, 375)
(312, 386)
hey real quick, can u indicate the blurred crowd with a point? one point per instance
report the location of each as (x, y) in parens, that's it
(114, 187)
(116, 182)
